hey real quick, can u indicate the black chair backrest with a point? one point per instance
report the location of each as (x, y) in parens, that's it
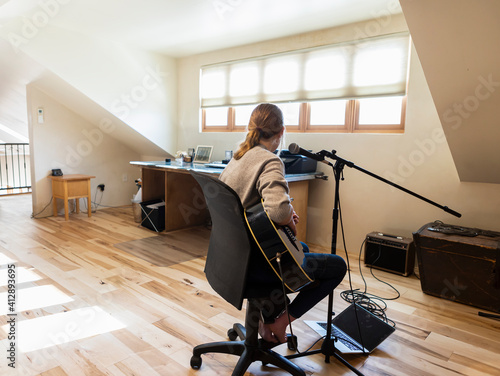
(230, 245)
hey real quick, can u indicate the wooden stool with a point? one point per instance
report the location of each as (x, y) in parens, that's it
(68, 187)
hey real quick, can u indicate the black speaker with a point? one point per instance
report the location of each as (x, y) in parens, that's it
(391, 253)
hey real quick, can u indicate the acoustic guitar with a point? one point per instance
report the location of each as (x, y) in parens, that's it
(278, 243)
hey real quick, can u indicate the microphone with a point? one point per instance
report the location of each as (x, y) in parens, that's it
(296, 149)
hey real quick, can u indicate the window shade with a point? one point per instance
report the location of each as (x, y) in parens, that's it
(364, 68)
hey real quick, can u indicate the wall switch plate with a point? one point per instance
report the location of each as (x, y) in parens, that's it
(40, 115)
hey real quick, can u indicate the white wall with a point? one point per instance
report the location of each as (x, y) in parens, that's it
(419, 159)
(67, 141)
(105, 105)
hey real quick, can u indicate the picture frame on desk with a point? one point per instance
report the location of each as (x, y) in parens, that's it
(203, 154)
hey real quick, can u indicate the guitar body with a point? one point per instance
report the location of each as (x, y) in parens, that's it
(273, 241)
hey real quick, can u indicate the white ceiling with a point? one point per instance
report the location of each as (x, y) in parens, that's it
(186, 27)
(175, 28)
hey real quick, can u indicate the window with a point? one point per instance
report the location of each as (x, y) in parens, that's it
(368, 115)
(350, 87)
(216, 117)
(385, 113)
(242, 115)
(328, 116)
(291, 114)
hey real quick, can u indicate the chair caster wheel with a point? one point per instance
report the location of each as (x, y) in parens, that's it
(291, 342)
(195, 362)
(232, 334)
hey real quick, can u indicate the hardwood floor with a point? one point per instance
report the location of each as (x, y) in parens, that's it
(86, 307)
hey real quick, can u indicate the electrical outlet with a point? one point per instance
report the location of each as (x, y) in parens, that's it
(101, 187)
(124, 177)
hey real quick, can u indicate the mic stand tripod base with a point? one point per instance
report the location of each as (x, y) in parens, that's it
(327, 349)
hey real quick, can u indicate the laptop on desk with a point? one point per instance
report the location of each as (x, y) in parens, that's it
(352, 338)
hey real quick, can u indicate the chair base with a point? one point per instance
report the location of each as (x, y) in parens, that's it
(250, 349)
(247, 354)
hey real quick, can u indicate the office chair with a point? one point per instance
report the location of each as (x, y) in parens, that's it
(231, 253)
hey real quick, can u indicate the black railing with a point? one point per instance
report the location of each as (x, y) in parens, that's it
(15, 175)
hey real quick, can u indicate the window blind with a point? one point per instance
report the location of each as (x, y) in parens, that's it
(363, 68)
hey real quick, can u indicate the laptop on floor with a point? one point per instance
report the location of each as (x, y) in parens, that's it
(345, 328)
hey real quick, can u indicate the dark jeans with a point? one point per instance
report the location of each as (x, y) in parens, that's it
(327, 270)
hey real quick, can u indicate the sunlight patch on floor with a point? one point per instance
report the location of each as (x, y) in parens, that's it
(60, 328)
(35, 297)
(23, 275)
(5, 260)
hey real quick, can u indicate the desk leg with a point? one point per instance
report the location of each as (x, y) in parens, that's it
(66, 206)
(66, 210)
(77, 201)
(54, 200)
(89, 201)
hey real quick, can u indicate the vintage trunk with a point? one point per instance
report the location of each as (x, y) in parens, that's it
(459, 264)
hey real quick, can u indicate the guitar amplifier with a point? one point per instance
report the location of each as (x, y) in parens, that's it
(395, 254)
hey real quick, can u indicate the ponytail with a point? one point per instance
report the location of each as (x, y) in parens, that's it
(265, 122)
(252, 139)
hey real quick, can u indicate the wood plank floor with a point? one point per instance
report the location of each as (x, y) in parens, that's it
(87, 308)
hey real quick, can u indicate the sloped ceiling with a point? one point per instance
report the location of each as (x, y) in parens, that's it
(16, 71)
(458, 44)
(94, 113)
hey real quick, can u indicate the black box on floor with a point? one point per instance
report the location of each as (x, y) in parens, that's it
(460, 264)
(153, 215)
(392, 253)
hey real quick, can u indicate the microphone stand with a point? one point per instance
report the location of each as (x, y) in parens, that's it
(328, 346)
